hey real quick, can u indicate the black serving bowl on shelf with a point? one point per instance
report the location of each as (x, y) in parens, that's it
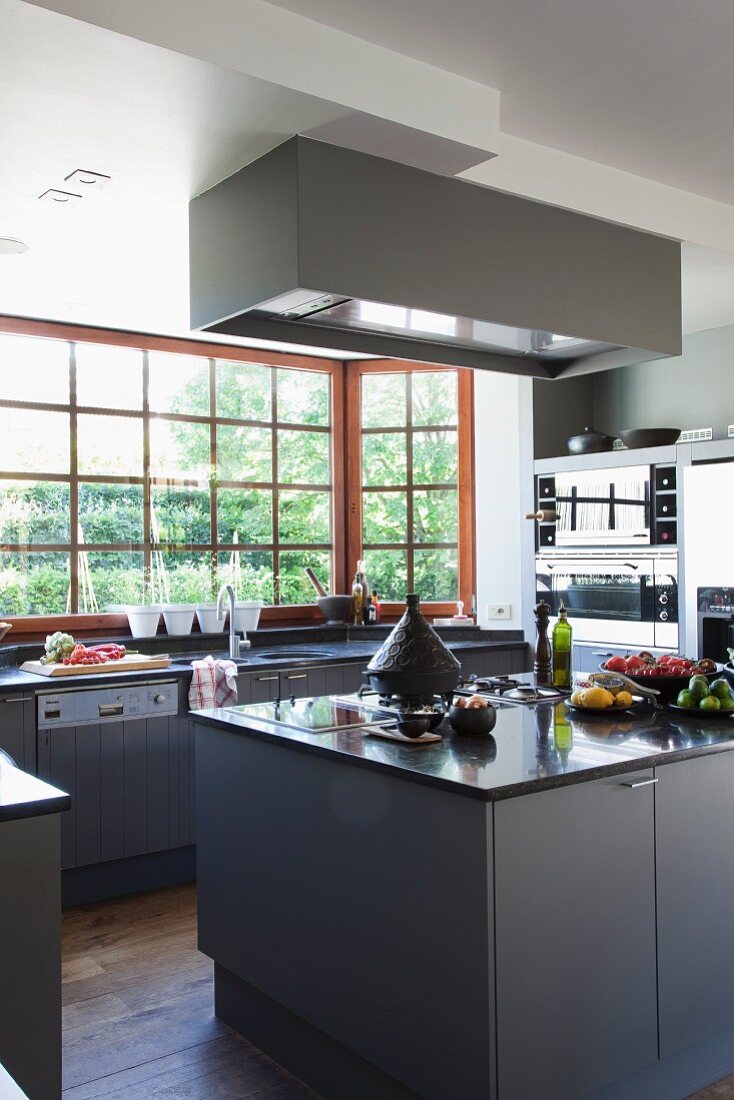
(649, 437)
(477, 720)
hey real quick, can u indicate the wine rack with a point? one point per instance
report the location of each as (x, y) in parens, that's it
(665, 506)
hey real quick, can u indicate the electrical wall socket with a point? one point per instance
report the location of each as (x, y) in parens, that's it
(499, 611)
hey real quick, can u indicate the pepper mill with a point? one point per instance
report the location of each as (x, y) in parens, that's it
(542, 664)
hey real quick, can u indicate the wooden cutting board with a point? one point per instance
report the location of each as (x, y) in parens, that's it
(131, 662)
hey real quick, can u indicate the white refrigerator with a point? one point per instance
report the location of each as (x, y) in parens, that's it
(708, 537)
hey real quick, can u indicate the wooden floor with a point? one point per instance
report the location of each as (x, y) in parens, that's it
(138, 1011)
(138, 1016)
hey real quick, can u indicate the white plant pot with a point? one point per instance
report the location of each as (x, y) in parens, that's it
(143, 619)
(178, 617)
(247, 614)
(206, 613)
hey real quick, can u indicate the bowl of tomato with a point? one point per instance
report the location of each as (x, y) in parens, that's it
(668, 674)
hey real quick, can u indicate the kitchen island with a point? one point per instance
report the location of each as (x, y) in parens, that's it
(541, 913)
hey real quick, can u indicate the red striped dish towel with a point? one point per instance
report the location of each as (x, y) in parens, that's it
(213, 684)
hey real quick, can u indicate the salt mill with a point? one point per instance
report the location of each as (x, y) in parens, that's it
(542, 664)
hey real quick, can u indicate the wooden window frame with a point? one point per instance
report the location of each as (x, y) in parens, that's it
(33, 627)
(355, 371)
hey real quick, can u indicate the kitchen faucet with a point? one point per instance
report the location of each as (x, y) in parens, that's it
(235, 645)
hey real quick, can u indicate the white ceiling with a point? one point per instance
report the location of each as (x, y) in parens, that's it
(161, 125)
(646, 86)
(641, 87)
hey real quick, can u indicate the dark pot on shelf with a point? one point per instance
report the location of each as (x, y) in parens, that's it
(589, 441)
(413, 661)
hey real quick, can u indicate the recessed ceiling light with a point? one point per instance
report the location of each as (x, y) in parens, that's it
(11, 246)
(88, 179)
(63, 198)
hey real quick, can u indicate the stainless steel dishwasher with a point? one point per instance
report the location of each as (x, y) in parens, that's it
(119, 752)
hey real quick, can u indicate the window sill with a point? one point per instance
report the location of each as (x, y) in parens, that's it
(34, 628)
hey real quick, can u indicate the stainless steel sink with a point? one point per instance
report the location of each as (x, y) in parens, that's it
(282, 653)
(286, 652)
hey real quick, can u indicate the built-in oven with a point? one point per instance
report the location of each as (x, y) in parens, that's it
(606, 507)
(614, 597)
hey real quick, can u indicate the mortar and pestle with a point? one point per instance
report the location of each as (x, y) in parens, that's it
(335, 609)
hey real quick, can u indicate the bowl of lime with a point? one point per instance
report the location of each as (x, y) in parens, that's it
(705, 698)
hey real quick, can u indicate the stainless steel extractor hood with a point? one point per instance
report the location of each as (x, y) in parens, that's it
(321, 245)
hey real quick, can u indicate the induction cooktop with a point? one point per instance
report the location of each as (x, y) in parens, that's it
(318, 715)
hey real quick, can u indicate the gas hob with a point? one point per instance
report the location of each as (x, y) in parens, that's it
(521, 691)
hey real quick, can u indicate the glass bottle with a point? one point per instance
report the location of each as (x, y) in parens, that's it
(562, 639)
(376, 606)
(357, 600)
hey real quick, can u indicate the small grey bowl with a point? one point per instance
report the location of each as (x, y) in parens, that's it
(336, 609)
(473, 719)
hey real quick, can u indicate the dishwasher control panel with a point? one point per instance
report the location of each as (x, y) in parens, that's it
(87, 706)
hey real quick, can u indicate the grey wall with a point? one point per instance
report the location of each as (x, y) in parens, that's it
(692, 390)
(561, 409)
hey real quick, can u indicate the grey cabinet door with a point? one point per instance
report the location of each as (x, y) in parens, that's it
(264, 686)
(57, 765)
(352, 676)
(695, 869)
(112, 792)
(296, 682)
(575, 938)
(88, 794)
(18, 730)
(243, 688)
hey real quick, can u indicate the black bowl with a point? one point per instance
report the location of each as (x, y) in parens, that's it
(649, 437)
(413, 725)
(473, 719)
(668, 686)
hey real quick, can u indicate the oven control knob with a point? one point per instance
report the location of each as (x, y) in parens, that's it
(663, 598)
(664, 616)
(159, 698)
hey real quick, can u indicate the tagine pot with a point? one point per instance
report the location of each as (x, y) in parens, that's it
(413, 661)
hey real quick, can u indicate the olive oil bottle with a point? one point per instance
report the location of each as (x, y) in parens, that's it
(562, 641)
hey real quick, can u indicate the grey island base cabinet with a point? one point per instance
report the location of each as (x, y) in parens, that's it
(386, 934)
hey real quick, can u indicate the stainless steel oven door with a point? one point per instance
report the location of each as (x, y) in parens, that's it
(609, 599)
(607, 507)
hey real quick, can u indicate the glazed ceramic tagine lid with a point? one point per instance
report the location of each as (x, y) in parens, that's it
(413, 661)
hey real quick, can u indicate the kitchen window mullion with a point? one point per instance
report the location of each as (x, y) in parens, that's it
(147, 500)
(213, 475)
(410, 533)
(276, 494)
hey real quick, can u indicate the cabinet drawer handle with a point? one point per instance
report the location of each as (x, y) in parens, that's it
(14, 699)
(262, 679)
(639, 783)
(297, 676)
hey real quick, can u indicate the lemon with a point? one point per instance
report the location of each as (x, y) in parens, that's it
(623, 699)
(598, 698)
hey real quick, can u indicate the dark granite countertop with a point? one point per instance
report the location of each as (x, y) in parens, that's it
(22, 795)
(531, 748)
(321, 652)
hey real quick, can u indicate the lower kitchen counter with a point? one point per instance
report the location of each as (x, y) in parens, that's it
(12, 679)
